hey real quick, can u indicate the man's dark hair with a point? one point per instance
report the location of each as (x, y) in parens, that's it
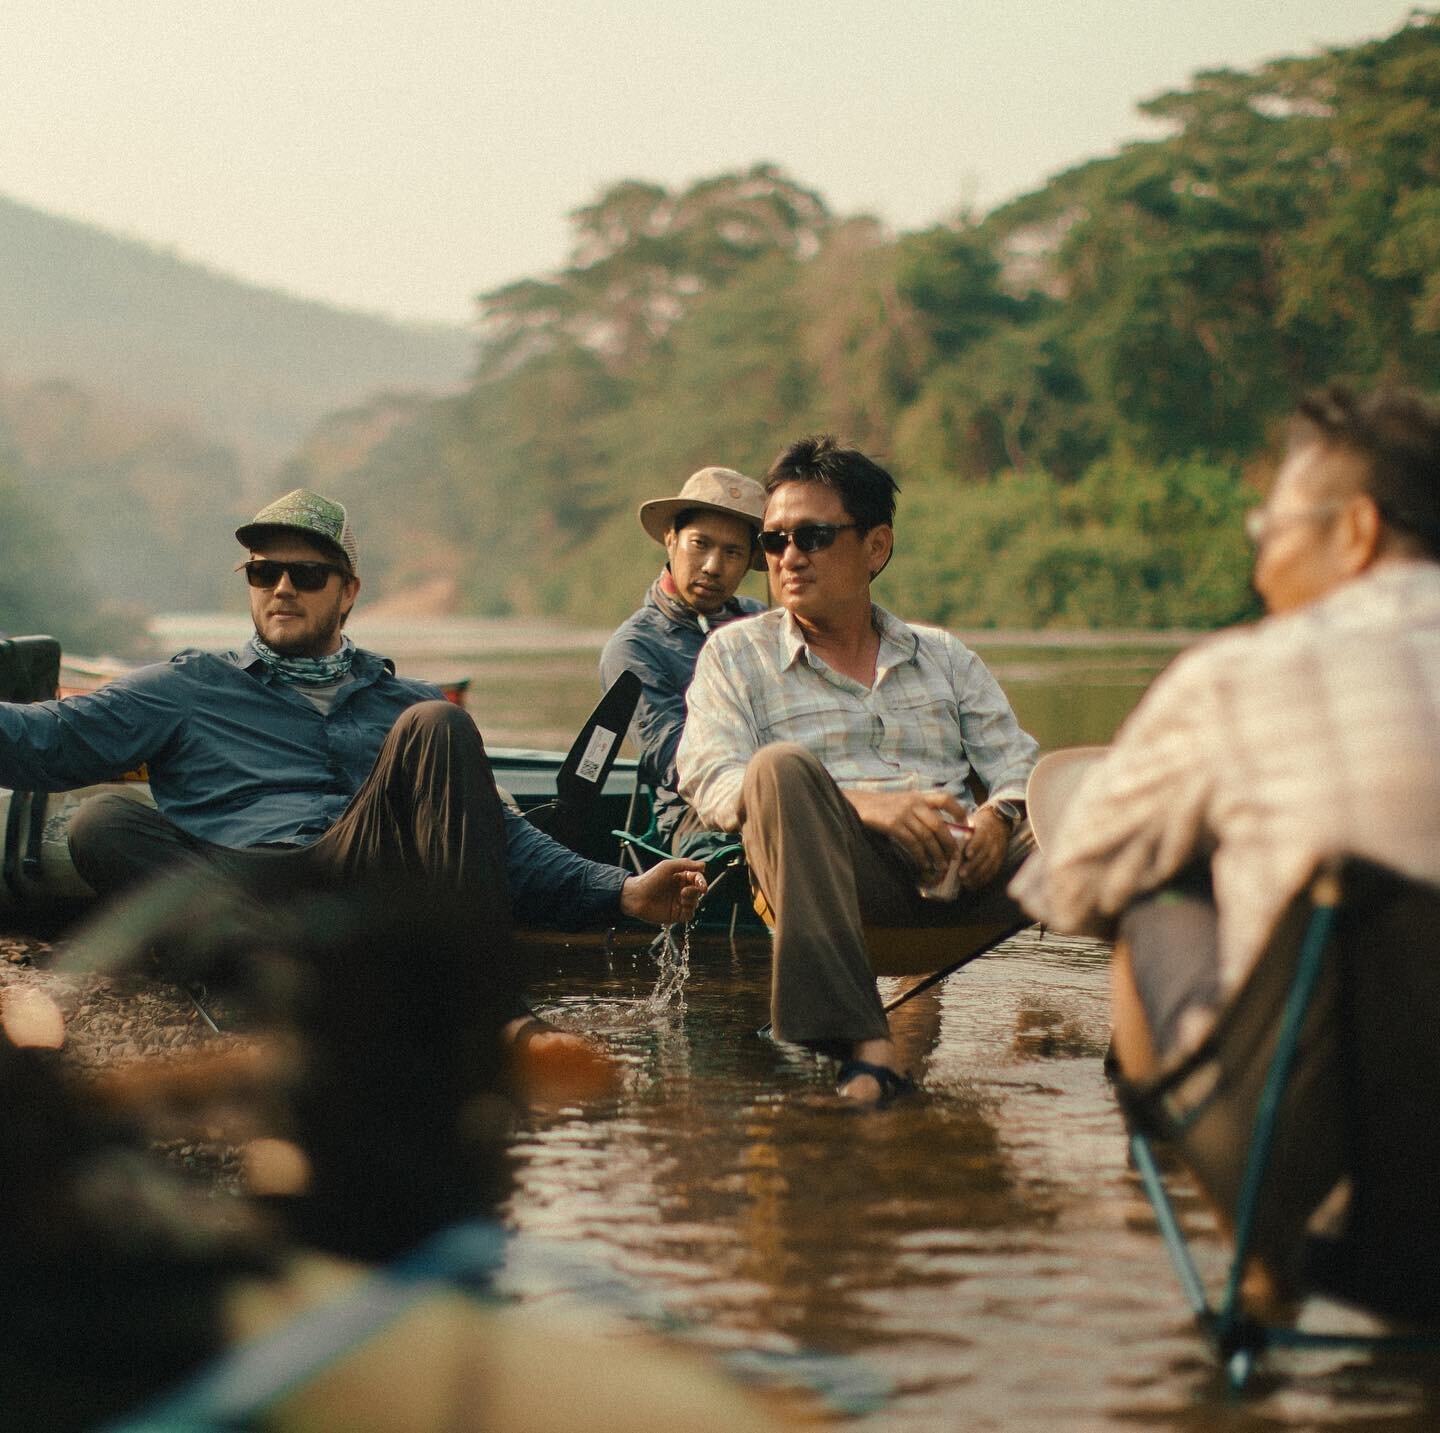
(1397, 434)
(865, 488)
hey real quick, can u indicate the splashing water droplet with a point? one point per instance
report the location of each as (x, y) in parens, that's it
(666, 998)
(669, 991)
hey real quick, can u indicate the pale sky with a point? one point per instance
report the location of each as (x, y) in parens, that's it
(402, 158)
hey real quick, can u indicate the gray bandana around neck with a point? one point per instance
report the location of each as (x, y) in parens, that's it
(308, 671)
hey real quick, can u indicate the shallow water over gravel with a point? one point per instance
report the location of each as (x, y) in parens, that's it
(982, 1250)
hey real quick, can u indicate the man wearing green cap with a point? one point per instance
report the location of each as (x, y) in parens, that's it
(305, 749)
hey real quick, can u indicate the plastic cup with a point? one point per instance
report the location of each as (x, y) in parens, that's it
(946, 887)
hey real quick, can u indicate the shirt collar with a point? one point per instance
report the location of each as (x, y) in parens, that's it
(898, 642)
(665, 597)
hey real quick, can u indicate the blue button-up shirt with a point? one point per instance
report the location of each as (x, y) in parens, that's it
(241, 758)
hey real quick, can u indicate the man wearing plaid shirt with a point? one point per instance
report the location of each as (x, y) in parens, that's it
(838, 740)
(1266, 748)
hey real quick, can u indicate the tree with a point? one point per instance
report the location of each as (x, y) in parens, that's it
(643, 256)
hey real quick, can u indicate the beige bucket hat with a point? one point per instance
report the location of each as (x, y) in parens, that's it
(721, 490)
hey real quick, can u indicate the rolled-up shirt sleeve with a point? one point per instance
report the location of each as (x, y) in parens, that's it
(550, 885)
(1138, 817)
(999, 749)
(720, 738)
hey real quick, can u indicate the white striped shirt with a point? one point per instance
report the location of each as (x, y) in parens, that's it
(933, 713)
(1311, 733)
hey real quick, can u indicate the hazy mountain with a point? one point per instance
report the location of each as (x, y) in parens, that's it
(248, 367)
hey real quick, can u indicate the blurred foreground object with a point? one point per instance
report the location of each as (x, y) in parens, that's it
(379, 1092)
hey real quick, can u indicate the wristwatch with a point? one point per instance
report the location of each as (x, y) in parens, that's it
(1009, 812)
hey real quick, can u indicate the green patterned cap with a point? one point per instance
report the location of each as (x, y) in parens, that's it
(305, 512)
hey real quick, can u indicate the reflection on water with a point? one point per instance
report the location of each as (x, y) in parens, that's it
(983, 1248)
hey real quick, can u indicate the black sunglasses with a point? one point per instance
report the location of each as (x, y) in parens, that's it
(808, 537)
(304, 576)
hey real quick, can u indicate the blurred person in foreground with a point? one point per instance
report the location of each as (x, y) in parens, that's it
(708, 532)
(373, 1111)
(302, 749)
(1263, 749)
(838, 741)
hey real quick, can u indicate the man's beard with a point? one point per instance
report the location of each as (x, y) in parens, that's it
(312, 643)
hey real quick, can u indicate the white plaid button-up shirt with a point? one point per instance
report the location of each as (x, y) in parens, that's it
(933, 714)
(1268, 747)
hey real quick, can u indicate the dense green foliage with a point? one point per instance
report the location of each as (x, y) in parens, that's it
(1075, 392)
(1078, 393)
(1124, 546)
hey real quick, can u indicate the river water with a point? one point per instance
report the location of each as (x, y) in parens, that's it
(979, 1257)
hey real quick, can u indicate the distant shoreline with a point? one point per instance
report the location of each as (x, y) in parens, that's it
(484, 636)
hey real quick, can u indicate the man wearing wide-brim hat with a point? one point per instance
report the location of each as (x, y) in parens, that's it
(708, 532)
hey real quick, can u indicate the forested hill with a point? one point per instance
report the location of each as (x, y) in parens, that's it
(146, 404)
(1076, 393)
(249, 367)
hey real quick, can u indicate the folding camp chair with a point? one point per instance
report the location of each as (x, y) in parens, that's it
(642, 848)
(29, 668)
(1308, 1116)
(29, 672)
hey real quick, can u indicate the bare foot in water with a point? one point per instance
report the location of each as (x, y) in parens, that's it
(555, 1066)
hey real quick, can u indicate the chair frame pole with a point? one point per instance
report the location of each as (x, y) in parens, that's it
(1316, 942)
(1238, 1339)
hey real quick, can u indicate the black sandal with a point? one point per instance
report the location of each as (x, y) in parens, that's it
(892, 1083)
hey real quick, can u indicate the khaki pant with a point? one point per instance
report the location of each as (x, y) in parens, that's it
(825, 875)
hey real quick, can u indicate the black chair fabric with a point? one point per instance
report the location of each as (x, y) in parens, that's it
(29, 668)
(1353, 1181)
(1386, 1256)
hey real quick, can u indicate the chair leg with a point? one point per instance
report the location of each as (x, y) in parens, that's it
(1238, 1339)
(1170, 1232)
(1314, 945)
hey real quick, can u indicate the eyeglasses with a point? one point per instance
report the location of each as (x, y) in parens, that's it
(304, 576)
(808, 537)
(1261, 523)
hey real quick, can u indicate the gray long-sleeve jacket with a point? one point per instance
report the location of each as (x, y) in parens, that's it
(662, 651)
